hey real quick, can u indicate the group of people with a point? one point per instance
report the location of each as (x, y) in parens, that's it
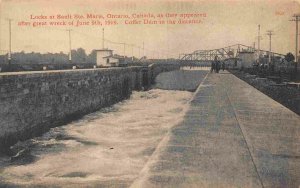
(216, 65)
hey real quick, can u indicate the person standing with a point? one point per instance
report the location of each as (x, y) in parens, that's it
(218, 66)
(223, 66)
(213, 66)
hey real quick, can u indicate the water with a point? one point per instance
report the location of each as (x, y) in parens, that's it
(186, 79)
(107, 148)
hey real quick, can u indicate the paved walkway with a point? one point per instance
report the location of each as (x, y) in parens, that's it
(232, 136)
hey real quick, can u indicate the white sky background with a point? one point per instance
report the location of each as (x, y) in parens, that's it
(228, 22)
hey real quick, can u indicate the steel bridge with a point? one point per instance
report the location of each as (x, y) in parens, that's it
(222, 53)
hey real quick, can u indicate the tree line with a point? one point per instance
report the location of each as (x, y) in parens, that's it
(78, 56)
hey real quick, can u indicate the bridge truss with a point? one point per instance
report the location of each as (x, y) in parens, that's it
(222, 53)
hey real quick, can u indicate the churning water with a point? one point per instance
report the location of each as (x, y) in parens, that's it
(105, 148)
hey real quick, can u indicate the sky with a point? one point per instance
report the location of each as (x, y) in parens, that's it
(227, 22)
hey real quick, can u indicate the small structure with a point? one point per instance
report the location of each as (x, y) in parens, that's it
(115, 60)
(100, 54)
(233, 63)
(247, 59)
(106, 58)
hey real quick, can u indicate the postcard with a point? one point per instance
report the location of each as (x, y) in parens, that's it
(156, 93)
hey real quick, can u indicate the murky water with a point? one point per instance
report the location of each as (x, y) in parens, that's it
(106, 148)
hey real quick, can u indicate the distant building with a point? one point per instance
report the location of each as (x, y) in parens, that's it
(100, 54)
(247, 59)
(106, 58)
(233, 62)
(115, 60)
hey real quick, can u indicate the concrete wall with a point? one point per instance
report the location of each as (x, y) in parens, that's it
(33, 102)
(155, 69)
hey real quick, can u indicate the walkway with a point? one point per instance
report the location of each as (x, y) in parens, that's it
(232, 136)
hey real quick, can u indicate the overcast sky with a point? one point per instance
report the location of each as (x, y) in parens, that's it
(228, 22)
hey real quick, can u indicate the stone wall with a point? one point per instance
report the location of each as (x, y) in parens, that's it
(33, 102)
(39, 67)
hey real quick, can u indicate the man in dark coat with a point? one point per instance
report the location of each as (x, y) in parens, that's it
(218, 66)
(223, 65)
(213, 66)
